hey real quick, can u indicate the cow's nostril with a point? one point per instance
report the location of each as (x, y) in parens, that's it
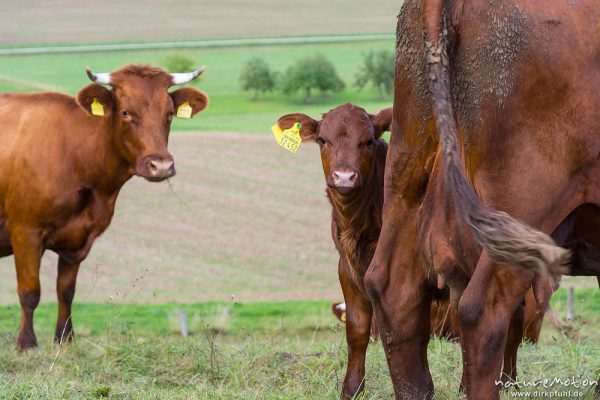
(152, 167)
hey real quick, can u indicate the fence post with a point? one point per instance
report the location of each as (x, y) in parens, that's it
(183, 323)
(570, 298)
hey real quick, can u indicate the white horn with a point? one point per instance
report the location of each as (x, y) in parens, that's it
(185, 77)
(101, 78)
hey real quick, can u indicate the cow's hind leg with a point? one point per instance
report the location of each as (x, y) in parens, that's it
(27, 250)
(65, 291)
(486, 310)
(402, 306)
(515, 336)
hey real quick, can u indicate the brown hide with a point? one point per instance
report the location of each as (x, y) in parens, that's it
(524, 142)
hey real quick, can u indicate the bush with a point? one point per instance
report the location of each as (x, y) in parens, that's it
(378, 69)
(311, 73)
(178, 62)
(257, 76)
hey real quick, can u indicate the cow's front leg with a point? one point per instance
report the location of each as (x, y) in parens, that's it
(486, 309)
(402, 304)
(358, 328)
(27, 249)
(65, 291)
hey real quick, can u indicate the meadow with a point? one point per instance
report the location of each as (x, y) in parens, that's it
(239, 240)
(284, 350)
(230, 109)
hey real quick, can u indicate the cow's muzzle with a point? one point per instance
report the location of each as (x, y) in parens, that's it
(156, 169)
(344, 181)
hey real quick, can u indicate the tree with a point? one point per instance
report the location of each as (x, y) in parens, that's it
(178, 62)
(257, 76)
(378, 69)
(315, 72)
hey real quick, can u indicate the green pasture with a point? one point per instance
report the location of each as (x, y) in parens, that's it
(260, 350)
(230, 109)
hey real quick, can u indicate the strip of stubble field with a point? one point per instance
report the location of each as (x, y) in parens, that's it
(242, 217)
(260, 41)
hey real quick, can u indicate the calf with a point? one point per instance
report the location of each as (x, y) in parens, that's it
(353, 157)
(63, 161)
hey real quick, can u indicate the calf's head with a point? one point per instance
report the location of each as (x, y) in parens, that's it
(139, 108)
(348, 138)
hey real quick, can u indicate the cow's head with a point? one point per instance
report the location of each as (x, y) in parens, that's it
(348, 137)
(139, 108)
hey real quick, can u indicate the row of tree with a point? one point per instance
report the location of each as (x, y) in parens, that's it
(317, 73)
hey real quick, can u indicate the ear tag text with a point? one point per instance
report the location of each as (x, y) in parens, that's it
(184, 110)
(97, 108)
(290, 138)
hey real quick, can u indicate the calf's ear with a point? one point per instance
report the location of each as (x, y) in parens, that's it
(309, 128)
(101, 97)
(382, 121)
(197, 99)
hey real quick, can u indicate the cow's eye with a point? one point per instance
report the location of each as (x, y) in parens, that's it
(124, 114)
(370, 144)
(320, 141)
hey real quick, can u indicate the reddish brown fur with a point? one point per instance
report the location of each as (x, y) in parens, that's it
(350, 142)
(62, 169)
(356, 224)
(529, 134)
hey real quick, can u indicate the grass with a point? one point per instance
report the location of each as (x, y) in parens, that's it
(265, 350)
(229, 109)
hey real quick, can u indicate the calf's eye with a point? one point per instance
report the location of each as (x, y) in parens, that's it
(370, 144)
(124, 113)
(320, 141)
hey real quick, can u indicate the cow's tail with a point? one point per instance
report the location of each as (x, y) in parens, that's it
(505, 239)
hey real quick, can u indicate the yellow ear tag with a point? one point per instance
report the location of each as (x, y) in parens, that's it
(343, 317)
(289, 138)
(97, 108)
(184, 110)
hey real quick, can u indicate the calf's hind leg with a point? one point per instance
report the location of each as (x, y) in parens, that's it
(65, 291)
(27, 249)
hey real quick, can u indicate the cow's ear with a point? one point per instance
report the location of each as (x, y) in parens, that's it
(309, 128)
(382, 121)
(197, 99)
(96, 100)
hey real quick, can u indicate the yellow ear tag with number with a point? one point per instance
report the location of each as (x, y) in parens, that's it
(184, 110)
(289, 138)
(97, 108)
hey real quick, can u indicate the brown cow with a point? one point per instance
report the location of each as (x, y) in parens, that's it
(526, 136)
(62, 168)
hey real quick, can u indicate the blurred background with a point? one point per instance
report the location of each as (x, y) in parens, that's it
(243, 217)
(239, 241)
